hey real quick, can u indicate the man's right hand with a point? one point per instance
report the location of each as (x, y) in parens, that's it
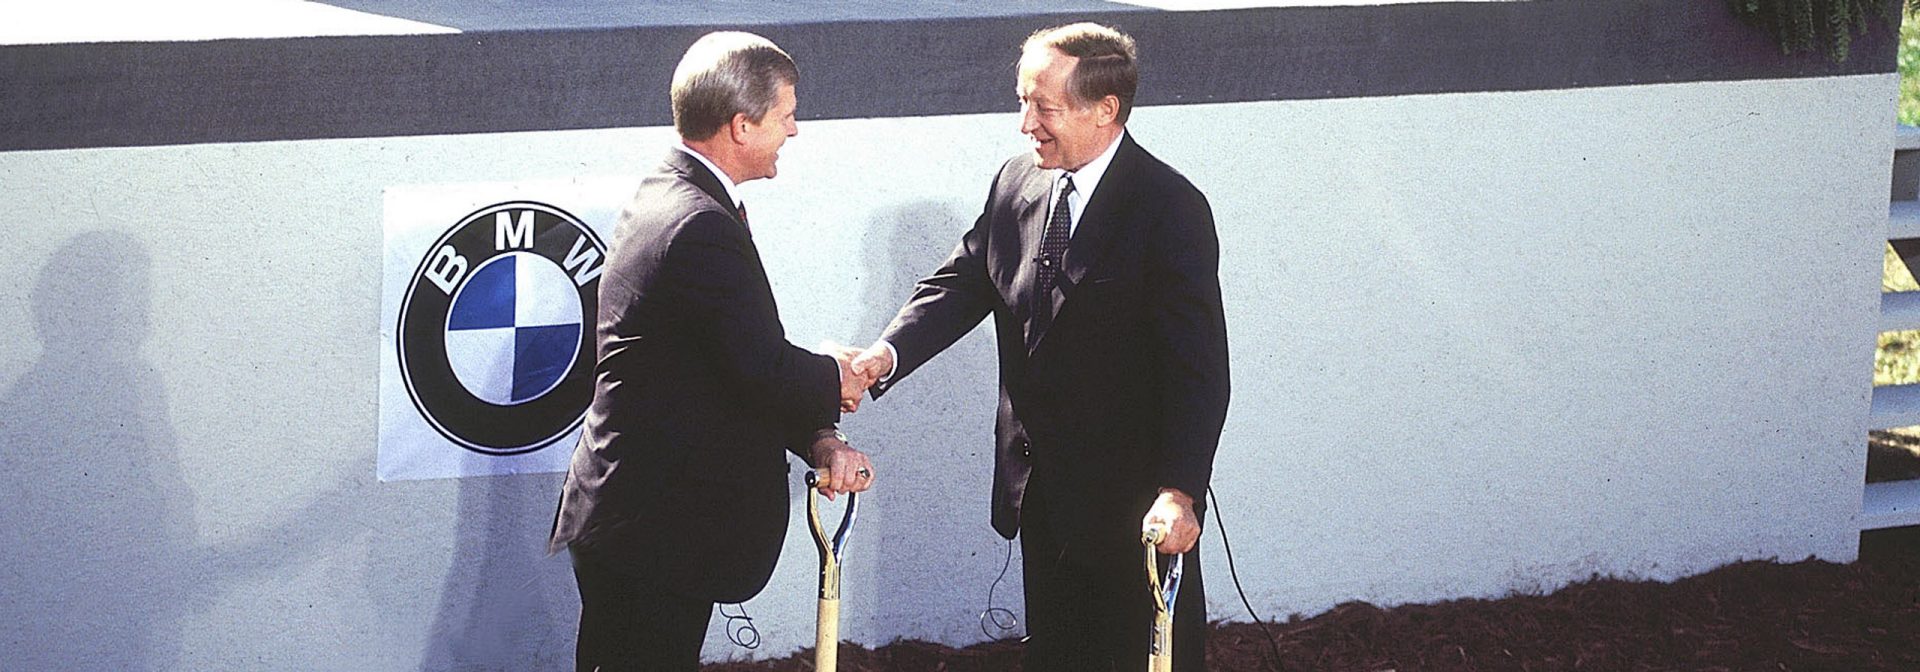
(876, 362)
(853, 382)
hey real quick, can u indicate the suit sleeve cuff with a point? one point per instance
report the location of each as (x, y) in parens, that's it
(893, 361)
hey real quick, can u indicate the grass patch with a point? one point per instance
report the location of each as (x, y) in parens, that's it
(1897, 361)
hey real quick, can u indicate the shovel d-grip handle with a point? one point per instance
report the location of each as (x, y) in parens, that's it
(1165, 594)
(826, 641)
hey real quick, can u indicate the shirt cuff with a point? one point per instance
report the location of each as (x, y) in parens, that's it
(893, 361)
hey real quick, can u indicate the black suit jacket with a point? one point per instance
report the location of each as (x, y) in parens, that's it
(680, 473)
(1115, 383)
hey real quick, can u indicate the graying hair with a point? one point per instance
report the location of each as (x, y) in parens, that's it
(724, 74)
(1109, 63)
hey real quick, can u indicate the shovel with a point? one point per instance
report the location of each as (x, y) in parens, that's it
(826, 641)
(1160, 652)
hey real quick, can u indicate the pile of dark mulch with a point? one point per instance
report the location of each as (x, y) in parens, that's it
(1808, 615)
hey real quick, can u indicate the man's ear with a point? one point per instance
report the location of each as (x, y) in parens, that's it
(737, 128)
(1109, 109)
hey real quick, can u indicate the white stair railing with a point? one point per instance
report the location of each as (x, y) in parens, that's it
(1897, 503)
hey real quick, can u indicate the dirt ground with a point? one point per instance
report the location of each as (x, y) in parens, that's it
(1750, 616)
(1893, 455)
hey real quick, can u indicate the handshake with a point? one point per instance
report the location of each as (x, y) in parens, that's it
(859, 370)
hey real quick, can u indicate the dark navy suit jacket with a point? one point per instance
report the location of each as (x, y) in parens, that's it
(681, 471)
(1112, 385)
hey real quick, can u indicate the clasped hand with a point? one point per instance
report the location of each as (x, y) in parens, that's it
(859, 370)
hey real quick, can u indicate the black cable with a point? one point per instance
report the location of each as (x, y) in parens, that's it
(1235, 573)
(741, 631)
(999, 617)
(740, 628)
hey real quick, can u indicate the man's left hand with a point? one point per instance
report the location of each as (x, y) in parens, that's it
(1173, 510)
(847, 469)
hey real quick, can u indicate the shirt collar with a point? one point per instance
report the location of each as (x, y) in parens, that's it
(726, 183)
(1088, 176)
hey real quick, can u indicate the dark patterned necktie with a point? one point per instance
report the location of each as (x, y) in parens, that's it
(1053, 245)
(741, 208)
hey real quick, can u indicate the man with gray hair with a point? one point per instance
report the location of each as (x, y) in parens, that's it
(677, 495)
(1100, 266)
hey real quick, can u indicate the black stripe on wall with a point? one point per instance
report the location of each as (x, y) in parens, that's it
(159, 93)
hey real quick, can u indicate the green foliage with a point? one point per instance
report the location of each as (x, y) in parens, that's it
(1897, 359)
(1909, 64)
(1828, 25)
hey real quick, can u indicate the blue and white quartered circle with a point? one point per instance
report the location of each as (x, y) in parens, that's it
(494, 334)
(514, 328)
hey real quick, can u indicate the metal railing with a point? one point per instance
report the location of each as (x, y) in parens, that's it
(1897, 503)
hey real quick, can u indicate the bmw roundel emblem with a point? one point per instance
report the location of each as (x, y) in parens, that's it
(496, 328)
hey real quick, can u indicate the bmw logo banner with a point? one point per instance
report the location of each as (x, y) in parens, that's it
(486, 323)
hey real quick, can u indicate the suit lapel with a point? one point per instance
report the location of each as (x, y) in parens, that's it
(1091, 237)
(695, 172)
(1030, 216)
(1099, 218)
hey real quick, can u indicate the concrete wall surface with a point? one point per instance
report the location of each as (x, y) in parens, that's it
(1481, 343)
(1513, 300)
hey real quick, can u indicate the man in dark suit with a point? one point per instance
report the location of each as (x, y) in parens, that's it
(677, 495)
(1100, 267)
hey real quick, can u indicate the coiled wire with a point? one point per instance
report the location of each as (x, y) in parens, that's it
(740, 628)
(997, 618)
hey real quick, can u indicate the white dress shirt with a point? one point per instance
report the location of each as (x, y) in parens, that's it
(726, 182)
(1085, 180)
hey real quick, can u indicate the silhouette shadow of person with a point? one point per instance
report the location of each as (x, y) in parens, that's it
(97, 518)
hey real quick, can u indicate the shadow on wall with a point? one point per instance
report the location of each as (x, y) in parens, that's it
(505, 604)
(97, 532)
(932, 439)
(100, 559)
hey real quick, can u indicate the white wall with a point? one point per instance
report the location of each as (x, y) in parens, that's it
(1481, 343)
